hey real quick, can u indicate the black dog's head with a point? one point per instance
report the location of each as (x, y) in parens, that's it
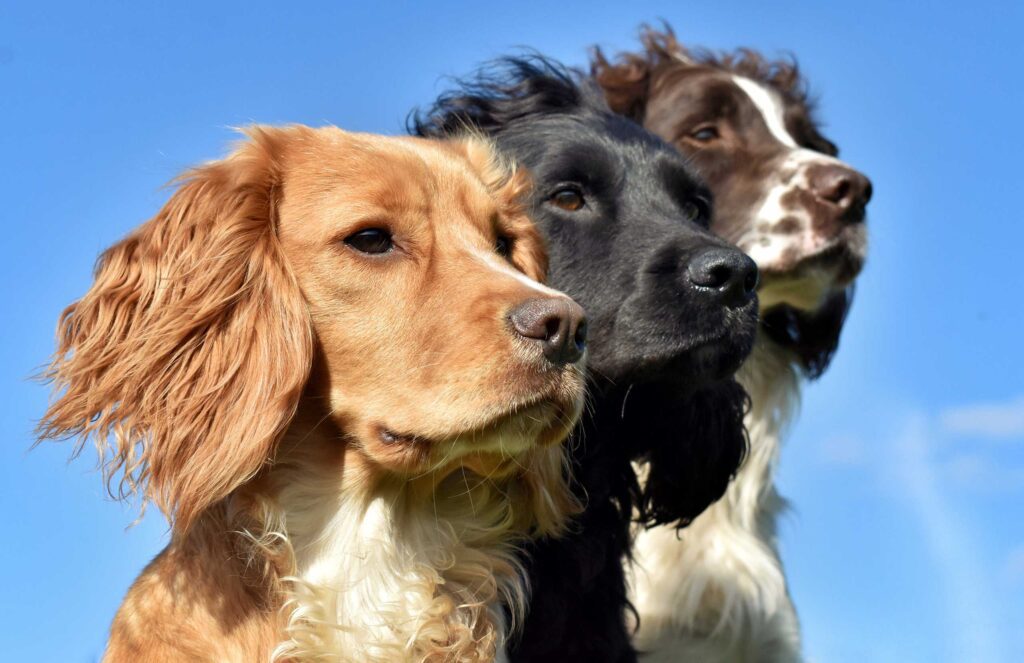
(672, 308)
(626, 223)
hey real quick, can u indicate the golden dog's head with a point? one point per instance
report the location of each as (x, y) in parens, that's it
(391, 282)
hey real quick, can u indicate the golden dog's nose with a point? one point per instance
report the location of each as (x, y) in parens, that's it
(558, 324)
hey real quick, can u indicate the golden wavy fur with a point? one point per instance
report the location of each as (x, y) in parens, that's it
(349, 447)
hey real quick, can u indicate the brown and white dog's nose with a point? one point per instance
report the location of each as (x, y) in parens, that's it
(843, 187)
(728, 273)
(558, 324)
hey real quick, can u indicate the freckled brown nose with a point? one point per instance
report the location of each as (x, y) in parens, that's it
(557, 323)
(843, 187)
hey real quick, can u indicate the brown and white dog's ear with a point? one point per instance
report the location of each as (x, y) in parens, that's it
(626, 81)
(186, 358)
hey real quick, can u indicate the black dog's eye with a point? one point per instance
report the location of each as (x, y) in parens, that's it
(371, 240)
(705, 133)
(503, 246)
(568, 198)
(697, 210)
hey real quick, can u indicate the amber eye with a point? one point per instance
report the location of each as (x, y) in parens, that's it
(503, 246)
(569, 198)
(705, 133)
(697, 210)
(371, 240)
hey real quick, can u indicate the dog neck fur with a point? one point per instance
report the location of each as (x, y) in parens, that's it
(384, 574)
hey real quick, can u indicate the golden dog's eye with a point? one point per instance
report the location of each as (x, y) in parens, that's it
(370, 240)
(503, 246)
(697, 210)
(569, 198)
(705, 133)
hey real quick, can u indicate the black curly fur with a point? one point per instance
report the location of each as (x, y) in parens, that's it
(662, 354)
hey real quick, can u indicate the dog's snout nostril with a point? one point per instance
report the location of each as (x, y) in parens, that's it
(553, 326)
(727, 273)
(557, 324)
(843, 187)
(719, 276)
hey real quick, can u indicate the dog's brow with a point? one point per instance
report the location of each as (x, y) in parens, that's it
(768, 105)
(498, 264)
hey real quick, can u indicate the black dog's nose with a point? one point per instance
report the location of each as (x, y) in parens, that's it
(557, 323)
(726, 272)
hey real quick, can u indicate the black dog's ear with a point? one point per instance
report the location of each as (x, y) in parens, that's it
(505, 90)
(813, 337)
(694, 454)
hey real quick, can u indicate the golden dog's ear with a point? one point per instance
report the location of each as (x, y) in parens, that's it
(186, 359)
(552, 503)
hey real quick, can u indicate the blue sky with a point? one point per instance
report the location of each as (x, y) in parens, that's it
(906, 468)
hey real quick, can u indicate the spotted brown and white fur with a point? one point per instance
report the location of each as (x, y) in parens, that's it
(716, 590)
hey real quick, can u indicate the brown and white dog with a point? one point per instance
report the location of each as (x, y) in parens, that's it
(328, 361)
(716, 590)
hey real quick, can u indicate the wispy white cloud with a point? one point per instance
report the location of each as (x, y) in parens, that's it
(981, 472)
(990, 420)
(933, 464)
(973, 624)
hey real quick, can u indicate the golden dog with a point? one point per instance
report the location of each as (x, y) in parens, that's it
(329, 362)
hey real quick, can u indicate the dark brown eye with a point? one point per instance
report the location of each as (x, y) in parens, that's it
(568, 198)
(697, 210)
(705, 133)
(371, 240)
(503, 246)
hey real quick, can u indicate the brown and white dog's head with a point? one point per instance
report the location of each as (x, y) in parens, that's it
(781, 193)
(384, 289)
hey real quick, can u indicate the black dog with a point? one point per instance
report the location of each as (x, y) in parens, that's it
(672, 315)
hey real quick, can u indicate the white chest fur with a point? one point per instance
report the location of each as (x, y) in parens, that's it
(392, 578)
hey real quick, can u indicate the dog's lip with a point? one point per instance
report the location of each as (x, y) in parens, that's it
(536, 405)
(712, 350)
(838, 253)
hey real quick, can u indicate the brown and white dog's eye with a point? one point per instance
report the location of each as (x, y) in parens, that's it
(503, 246)
(371, 240)
(569, 198)
(705, 133)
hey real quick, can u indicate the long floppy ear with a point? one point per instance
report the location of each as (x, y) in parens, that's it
(549, 497)
(185, 360)
(813, 337)
(696, 453)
